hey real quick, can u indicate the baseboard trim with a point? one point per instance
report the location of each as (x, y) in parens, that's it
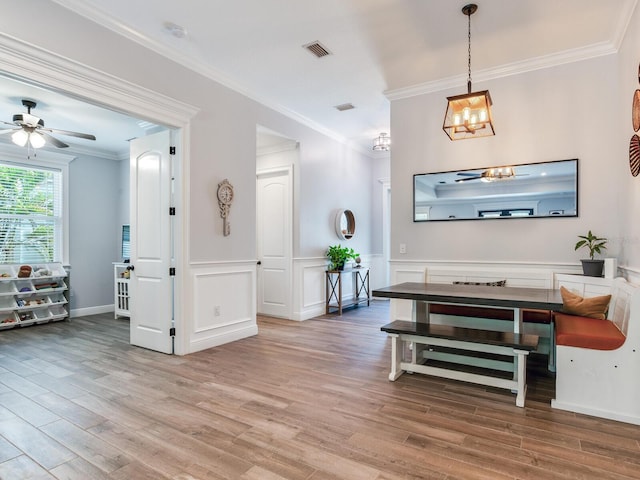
(222, 338)
(81, 312)
(572, 407)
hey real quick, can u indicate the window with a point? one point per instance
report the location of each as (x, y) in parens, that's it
(32, 224)
(509, 212)
(126, 243)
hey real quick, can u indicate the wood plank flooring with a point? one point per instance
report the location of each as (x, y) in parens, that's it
(301, 400)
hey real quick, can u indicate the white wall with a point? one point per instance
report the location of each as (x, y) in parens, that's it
(94, 235)
(627, 192)
(123, 196)
(569, 111)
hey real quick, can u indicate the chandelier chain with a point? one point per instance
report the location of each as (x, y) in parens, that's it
(469, 53)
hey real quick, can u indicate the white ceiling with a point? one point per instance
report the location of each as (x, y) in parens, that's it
(380, 49)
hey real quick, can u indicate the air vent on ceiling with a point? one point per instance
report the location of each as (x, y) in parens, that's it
(317, 49)
(345, 106)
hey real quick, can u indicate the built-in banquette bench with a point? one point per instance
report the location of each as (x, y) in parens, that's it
(598, 361)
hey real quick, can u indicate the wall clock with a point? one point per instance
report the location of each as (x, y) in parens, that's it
(225, 198)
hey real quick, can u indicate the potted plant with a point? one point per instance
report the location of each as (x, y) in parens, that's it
(339, 255)
(591, 267)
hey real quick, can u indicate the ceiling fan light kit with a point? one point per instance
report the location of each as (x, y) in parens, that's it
(469, 115)
(28, 130)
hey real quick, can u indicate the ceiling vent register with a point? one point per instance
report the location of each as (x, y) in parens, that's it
(317, 49)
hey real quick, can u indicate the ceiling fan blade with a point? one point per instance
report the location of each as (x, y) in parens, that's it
(8, 123)
(86, 136)
(460, 180)
(53, 141)
(4, 131)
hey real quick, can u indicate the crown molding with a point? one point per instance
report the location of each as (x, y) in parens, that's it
(105, 20)
(623, 25)
(17, 154)
(72, 150)
(516, 68)
(22, 60)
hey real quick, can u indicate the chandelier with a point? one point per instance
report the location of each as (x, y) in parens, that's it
(382, 143)
(469, 115)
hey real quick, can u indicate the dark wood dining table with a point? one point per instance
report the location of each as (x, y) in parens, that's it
(512, 298)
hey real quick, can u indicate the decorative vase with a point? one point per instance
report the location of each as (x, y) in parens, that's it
(592, 268)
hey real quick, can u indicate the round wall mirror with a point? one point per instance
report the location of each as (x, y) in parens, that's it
(345, 224)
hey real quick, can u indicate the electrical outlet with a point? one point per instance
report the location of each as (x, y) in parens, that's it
(403, 248)
(216, 310)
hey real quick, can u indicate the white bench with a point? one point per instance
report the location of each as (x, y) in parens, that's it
(605, 383)
(510, 344)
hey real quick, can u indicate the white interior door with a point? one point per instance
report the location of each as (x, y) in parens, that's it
(151, 286)
(274, 242)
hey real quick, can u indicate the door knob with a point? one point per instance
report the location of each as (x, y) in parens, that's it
(259, 262)
(130, 267)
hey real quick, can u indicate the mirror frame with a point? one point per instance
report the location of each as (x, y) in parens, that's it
(446, 178)
(349, 218)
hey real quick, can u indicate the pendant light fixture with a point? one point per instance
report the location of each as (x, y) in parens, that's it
(469, 115)
(382, 143)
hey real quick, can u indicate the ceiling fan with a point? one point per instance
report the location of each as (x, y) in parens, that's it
(490, 175)
(29, 128)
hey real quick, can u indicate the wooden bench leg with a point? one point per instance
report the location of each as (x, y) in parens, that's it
(521, 376)
(396, 356)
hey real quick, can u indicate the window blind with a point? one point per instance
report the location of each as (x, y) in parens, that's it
(30, 214)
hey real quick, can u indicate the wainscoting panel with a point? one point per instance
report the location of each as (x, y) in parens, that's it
(401, 272)
(516, 275)
(223, 304)
(631, 274)
(308, 281)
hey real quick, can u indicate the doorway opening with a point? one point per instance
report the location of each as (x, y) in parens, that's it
(50, 73)
(276, 157)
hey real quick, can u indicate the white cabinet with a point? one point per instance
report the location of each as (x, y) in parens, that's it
(39, 297)
(121, 290)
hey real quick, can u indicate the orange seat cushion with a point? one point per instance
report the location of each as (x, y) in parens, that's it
(586, 332)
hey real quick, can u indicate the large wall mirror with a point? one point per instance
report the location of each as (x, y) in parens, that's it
(548, 189)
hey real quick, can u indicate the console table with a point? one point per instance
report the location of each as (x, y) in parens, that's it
(360, 283)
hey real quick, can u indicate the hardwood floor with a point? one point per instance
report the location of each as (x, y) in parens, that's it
(301, 400)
